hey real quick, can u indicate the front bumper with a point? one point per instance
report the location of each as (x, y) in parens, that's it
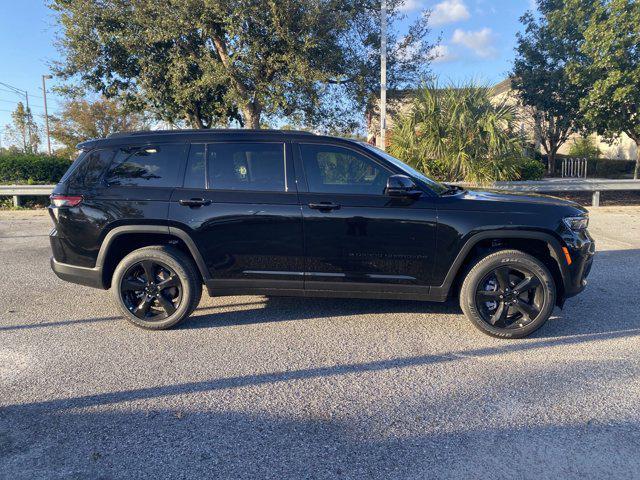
(582, 250)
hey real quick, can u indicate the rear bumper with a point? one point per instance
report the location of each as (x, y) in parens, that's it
(91, 277)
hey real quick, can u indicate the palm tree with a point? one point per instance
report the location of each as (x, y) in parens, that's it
(456, 134)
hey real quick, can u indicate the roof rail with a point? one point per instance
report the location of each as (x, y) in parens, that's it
(205, 130)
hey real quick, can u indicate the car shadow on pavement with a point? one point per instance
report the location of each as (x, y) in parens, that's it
(282, 309)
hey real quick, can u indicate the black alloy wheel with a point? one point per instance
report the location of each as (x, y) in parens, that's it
(508, 294)
(156, 287)
(509, 297)
(151, 290)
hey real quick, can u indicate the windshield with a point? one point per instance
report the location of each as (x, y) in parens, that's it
(412, 172)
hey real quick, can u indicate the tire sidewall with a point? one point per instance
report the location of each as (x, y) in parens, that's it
(506, 258)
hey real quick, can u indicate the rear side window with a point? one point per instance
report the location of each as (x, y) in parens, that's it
(149, 166)
(90, 168)
(246, 166)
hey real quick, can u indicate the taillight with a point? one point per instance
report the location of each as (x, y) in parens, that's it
(65, 200)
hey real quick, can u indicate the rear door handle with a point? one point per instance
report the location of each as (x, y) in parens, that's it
(324, 206)
(194, 202)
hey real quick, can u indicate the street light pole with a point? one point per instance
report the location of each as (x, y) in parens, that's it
(46, 114)
(383, 75)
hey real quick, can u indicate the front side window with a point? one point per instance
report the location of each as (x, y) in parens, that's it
(153, 166)
(332, 169)
(246, 166)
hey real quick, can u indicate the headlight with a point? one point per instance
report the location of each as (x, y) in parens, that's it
(576, 223)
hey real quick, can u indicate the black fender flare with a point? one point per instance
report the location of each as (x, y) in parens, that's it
(554, 244)
(159, 229)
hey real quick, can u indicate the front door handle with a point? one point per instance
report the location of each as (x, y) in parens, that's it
(194, 202)
(324, 206)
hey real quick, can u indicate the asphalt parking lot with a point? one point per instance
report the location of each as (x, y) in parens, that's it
(256, 387)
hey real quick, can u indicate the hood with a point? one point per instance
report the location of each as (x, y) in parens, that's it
(512, 201)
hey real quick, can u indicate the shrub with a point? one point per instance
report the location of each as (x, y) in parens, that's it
(31, 168)
(584, 147)
(607, 168)
(530, 169)
(456, 134)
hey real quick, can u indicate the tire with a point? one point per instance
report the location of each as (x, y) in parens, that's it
(171, 296)
(491, 302)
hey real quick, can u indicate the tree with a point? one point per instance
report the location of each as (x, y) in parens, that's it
(607, 67)
(23, 132)
(541, 79)
(456, 133)
(80, 120)
(210, 62)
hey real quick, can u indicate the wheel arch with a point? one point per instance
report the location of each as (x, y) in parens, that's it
(123, 239)
(543, 245)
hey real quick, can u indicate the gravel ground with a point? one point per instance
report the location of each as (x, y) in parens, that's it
(256, 387)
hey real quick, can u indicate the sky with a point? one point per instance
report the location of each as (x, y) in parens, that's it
(478, 38)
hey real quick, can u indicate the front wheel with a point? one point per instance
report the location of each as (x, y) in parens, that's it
(508, 294)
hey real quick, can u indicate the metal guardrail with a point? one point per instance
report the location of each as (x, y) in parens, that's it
(17, 191)
(594, 185)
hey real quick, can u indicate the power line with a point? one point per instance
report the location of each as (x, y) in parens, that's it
(14, 102)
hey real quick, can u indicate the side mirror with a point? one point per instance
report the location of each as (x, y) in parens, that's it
(401, 186)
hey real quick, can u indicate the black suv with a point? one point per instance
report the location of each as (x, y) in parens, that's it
(154, 215)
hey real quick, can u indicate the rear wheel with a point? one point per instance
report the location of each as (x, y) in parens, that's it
(156, 287)
(508, 294)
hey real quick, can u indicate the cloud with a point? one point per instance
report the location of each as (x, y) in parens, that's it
(442, 54)
(449, 11)
(410, 5)
(481, 41)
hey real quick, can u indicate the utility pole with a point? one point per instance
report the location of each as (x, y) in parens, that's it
(46, 114)
(26, 95)
(383, 75)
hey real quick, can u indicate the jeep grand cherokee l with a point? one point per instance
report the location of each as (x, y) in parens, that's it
(156, 215)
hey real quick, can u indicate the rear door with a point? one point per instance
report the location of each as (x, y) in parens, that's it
(356, 237)
(239, 203)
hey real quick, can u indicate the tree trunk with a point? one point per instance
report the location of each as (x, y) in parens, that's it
(551, 157)
(251, 116)
(636, 172)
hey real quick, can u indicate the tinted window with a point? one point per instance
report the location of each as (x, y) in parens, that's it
(91, 167)
(155, 166)
(246, 166)
(195, 175)
(331, 169)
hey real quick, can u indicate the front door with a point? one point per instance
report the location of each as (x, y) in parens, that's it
(240, 205)
(356, 237)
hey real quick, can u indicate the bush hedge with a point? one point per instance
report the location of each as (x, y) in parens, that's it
(24, 168)
(605, 168)
(531, 169)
